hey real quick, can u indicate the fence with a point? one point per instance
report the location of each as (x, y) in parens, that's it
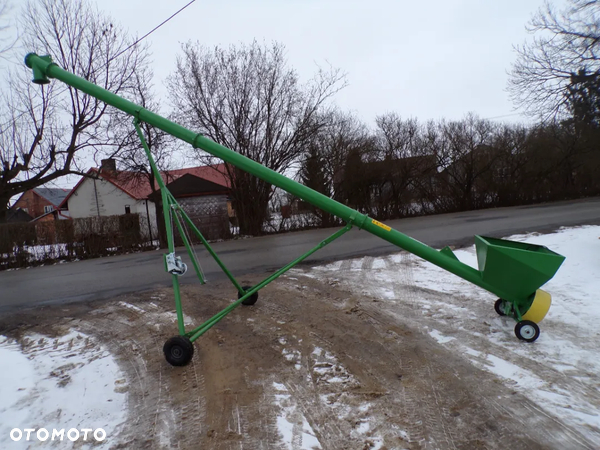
(30, 244)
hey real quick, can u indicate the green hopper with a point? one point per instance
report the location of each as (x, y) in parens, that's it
(512, 271)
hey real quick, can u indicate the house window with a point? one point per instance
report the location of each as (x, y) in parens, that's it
(127, 209)
(48, 208)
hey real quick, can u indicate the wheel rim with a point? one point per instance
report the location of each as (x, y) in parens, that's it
(176, 352)
(527, 331)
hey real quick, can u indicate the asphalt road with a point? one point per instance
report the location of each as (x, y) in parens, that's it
(105, 278)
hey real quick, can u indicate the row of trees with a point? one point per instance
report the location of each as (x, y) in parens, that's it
(247, 98)
(405, 167)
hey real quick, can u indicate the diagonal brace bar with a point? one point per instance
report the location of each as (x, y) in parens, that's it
(199, 331)
(176, 209)
(209, 249)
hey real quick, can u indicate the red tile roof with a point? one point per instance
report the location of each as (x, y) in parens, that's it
(138, 187)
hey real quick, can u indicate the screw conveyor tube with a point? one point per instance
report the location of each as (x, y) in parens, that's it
(44, 68)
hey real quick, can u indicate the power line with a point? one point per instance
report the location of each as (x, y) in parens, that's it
(151, 31)
(114, 57)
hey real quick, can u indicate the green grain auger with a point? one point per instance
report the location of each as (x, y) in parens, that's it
(513, 271)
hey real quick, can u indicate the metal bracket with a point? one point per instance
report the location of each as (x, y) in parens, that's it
(174, 265)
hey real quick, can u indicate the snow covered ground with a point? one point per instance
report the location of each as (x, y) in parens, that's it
(72, 381)
(67, 382)
(559, 371)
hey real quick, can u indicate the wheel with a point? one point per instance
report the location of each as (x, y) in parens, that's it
(499, 307)
(178, 350)
(250, 300)
(527, 331)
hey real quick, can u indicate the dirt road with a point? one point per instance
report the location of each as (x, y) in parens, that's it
(311, 365)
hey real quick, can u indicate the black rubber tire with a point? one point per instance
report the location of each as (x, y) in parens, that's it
(250, 300)
(498, 307)
(527, 331)
(178, 350)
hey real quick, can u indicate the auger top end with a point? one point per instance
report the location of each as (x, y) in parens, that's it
(39, 73)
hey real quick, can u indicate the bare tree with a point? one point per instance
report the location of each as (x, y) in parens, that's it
(404, 165)
(465, 155)
(45, 128)
(326, 155)
(397, 138)
(5, 43)
(248, 99)
(565, 43)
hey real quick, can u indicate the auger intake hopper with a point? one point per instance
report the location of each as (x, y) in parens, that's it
(518, 268)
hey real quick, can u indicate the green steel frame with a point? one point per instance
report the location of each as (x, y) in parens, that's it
(43, 68)
(172, 209)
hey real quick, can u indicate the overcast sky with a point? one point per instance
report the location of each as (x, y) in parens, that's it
(430, 60)
(427, 59)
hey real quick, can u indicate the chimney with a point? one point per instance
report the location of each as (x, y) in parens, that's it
(108, 165)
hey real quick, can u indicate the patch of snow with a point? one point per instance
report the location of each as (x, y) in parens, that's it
(404, 435)
(279, 387)
(379, 263)
(377, 443)
(133, 307)
(309, 439)
(291, 355)
(440, 337)
(363, 427)
(510, 371)
(55, 383)
(295, 431)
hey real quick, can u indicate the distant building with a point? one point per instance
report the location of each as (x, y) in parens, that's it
(42, 201)
(17, 215)
(109, 192)
(205, 202)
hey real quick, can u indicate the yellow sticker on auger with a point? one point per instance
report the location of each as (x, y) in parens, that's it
(382, 225)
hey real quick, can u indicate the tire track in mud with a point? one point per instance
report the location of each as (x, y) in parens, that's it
(562, 432)
(334, 432)
(190, 415)
(257, 423)
(432, 420)
(312, 399)
(428, 429)
(294, 395)
(236, 356)
(429, 412)
(328, 405)
(157, 419)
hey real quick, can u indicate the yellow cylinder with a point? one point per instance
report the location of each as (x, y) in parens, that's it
(539, 308)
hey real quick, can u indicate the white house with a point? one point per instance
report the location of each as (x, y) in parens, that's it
(111, 193)
(108, 192)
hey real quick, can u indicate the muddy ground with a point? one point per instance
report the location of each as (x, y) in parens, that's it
(311, 364)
